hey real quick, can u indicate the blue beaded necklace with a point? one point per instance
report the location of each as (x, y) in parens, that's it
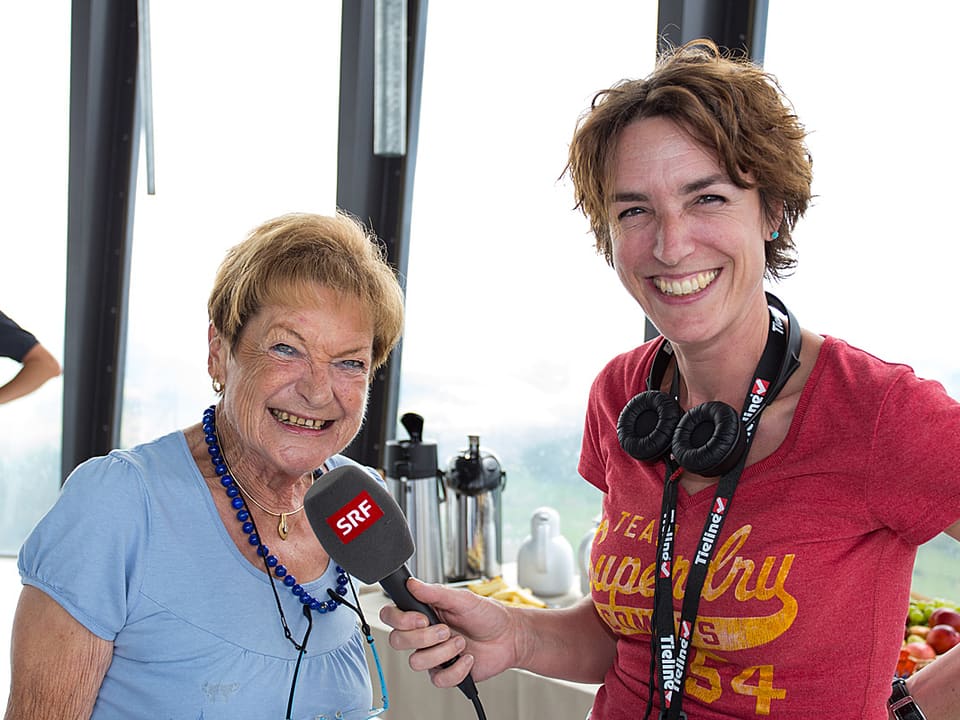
(270, 561)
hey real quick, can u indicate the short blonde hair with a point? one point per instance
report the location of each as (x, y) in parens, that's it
(287, 256)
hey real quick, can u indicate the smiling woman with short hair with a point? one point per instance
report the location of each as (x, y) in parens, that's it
(180, 578)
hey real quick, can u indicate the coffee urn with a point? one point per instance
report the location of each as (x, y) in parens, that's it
(474, 532)
(417, 485)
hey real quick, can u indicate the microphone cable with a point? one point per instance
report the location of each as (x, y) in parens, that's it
(478, 707)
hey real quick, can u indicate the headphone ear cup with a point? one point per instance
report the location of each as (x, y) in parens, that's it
(647, 423)
(710, 439)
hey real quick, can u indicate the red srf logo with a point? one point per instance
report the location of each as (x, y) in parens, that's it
(760, 387)
(354, 518)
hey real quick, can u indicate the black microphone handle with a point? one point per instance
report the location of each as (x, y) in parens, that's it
(395, 585)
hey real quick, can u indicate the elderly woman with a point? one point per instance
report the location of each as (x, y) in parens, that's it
(755, 553)
(180, 578)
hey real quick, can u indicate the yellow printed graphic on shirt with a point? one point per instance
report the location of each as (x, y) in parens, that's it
(732, 574)
(729, 572)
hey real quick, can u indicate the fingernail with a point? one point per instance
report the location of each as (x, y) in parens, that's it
(443, 633)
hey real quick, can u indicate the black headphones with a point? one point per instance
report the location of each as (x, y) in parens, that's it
(711, 438)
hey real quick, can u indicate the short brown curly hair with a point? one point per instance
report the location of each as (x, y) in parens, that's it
(287, 256)
(728, 104)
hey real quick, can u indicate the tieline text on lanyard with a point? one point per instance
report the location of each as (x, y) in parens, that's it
(672, 643)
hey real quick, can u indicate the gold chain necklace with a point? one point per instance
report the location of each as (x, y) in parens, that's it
(282, 528)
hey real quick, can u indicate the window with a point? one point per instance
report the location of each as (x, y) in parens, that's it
(245, 99)
(877, 246)
(511, 313)
(33, 184)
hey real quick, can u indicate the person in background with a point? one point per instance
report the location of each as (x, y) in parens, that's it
(37, 363)
(765, 488)
(180, 578)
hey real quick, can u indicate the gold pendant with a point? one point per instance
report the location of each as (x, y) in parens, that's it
(282, 526)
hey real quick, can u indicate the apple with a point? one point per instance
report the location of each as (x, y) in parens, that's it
(945, 616)
(920, 650)
(942, 637)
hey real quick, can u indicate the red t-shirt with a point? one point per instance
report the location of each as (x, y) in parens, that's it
(803, 609)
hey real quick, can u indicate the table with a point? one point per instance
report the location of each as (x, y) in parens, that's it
(513, 695)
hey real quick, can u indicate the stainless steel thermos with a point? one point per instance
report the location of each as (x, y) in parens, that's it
(416, 483)
(474, 527)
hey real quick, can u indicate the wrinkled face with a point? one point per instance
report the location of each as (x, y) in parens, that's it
(688, 244)
(295, 386)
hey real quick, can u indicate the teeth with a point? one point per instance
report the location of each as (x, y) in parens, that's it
(687, 286)
(291, 419)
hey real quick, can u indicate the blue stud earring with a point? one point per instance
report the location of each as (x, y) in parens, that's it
(774, 235)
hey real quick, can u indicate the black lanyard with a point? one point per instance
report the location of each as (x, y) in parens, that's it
(671, 646)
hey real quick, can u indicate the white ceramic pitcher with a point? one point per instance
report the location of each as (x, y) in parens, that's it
(545, 560)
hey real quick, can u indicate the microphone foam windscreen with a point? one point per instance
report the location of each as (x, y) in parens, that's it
(358, 523)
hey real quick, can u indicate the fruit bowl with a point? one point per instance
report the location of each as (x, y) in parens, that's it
(932, 628)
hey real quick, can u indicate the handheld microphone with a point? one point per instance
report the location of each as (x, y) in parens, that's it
(363, 529)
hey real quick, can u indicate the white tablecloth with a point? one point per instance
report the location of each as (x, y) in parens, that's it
(513, 695)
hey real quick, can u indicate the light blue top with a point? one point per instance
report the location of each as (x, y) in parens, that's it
(135, 550)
